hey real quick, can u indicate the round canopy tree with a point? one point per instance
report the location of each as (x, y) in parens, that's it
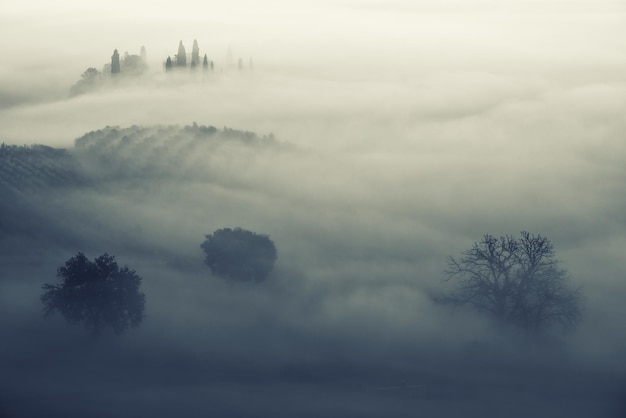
(239, 254)
(517, 281)
(97, 293)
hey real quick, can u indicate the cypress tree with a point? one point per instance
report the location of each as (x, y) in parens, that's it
(115, 62)
(181, 58)
(195, 54)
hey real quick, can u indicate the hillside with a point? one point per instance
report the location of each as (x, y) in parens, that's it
(159, 152)
(53, 197)
(119, 153)
(37, 167)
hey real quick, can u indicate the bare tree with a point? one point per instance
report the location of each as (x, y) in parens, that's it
(517, 281)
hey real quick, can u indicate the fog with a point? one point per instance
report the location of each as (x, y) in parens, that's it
(389, 136)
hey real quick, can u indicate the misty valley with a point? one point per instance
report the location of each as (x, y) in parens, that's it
(316, 209)
(330, 329)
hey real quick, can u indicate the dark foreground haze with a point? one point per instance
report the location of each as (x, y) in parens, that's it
(370, 141)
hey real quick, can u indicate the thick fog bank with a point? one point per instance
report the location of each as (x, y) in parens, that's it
(370, 140)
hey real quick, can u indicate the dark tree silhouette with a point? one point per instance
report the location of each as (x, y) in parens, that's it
(517, 281)
(97, 293)
(181, 57)
(115, 62)
(90, 80)
(205, 63)
(195, 54)
(168, 64)
(90, 74)
(239, 254)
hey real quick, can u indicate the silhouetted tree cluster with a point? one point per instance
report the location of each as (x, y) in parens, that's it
(517, 281)
(97, 293)
(180, 58)
(129, 65)
(239, 254)
(100, 294)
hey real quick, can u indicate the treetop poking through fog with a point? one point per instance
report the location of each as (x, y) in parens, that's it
(129, 66)
(132, 66)
(239, 254)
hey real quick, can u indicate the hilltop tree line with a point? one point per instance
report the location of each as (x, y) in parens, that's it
(180, 60)
(128, 65)
(131, 65)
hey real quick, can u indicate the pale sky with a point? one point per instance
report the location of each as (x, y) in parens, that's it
(400, 28)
